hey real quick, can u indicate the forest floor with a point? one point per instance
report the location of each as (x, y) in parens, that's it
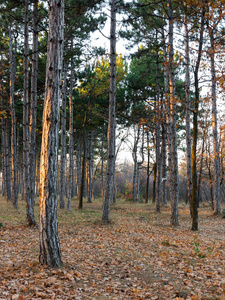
(139, 255)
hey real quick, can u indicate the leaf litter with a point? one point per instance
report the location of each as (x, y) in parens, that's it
(139, 255)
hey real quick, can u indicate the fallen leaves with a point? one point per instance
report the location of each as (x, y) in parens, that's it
(139, 256)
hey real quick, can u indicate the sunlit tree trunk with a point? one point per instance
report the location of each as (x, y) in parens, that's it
(174, 158)
(50, 253)
(112, 119)
(14, 164)
(188, 111)
(33, 106)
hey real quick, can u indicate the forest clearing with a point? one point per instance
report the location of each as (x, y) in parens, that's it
(138, 255)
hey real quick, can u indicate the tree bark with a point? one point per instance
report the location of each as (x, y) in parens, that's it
(194, 200)
(188, 109)
(14, 163)
(71, 145)
(63, 140)
(33, 112)
(112, 118)
(217, 191)
(50, 252)
(174, 158)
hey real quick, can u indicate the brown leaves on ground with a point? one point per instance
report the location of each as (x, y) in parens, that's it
(137, 256)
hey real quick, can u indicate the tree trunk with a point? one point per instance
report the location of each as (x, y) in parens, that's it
(83, 171)
(90, 159)
(157, 137)
(164, 165)
(14, 163)
(188, 109)
(6, 157)
(33, 112)
(63, 140)
(112, 118)
(50, 253)
(26, 114)
(71, 145)
(194, 200)
(79, 162)
(148, 170)
(214, 127)
(174, 158)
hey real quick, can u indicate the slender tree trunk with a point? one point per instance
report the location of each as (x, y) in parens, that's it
(201, 169)
(26, 114)
(214, 126)
(158, 150)
(6, 157)
(188, 109)
(154, 183)
(194, 200)
(83, 171)
(135, 172)
(102, 164)
(89, 158)
(79, 162)
(63, 140)
(168, 118)
(164, 165)
(14, 164)
(174, 158)
(148, 170)
(112, 118)
(71, 144)
(50, 253)
(33, 113)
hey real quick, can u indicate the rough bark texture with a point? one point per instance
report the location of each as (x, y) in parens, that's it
(188, 109)
(174, 158)
(50, 253)
(33, 106)
(14, 164)
(112, 118)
